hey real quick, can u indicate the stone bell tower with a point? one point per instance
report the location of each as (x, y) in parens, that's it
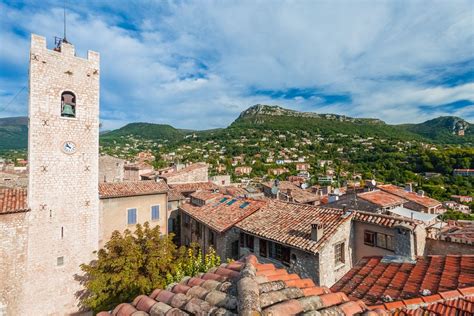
(63, 147)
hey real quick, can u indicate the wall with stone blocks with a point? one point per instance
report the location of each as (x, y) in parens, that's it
(13, 243)
(441, 247)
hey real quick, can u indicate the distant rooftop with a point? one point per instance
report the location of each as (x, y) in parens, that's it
(13, 201)
(410, 196)
(124, 189)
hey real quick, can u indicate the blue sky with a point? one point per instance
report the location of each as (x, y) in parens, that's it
(198, 64)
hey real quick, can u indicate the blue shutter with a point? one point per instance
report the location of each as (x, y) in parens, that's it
(155, 212)
(132, 216)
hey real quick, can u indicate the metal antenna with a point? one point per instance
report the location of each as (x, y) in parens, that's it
(64, 38)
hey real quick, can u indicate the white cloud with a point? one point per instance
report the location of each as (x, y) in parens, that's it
(195, 64)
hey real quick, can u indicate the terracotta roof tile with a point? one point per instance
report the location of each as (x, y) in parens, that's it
(186, 188)
(13, 201)
(290, 223)
(381, 198)
(223, 213)
(410, 196)
(124, 189)
(239, 294)
(193, 167)
(378, 281)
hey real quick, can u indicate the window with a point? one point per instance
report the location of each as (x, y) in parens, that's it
(369, 238)
(60, 261)
(186, 220)
(339, 257)
(263, 248)
(212, 238)
(281, 253)
(379, 240)
(242, 239)
(231, 202)
(170, 206)
(131, 216)
(243, 205)
(155, 212)
(68, 104)
(249, 242)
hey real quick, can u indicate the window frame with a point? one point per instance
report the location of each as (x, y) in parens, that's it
(151, 215)
(339, 254)
(128, 215)
(74, 105)
(373, 237)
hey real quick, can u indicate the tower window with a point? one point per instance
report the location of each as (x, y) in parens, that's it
(68, 104)
(60, 261)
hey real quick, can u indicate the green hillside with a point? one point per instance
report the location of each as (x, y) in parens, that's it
(13, 133)
(277, 118)
(147, 131)
(444, 129)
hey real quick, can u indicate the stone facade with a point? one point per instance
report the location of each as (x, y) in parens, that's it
(113, 214)
(197, 172)
(63, 186)
(111, 169)
(442, 247)
(13, 243)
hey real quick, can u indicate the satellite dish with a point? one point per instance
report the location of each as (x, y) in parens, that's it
(304, 186)
(373, 182)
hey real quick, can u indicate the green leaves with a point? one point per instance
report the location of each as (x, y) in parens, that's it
(136, 263)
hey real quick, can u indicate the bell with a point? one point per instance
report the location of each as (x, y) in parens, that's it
(68, 110)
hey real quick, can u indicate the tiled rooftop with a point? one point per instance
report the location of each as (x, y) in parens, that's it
(185, 170)
(244, 287)
(383, 220)
(410, 196)
(290, 223)
(222, 213)
(13, 201)
(377, 281)
(455, 303)
(381, 198)
(297, 194)
(193, 187)
(175, 195)
(205, 196)
(124, 189)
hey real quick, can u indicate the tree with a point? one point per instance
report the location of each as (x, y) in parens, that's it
(136, 263)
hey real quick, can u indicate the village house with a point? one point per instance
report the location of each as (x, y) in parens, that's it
(373, 201)
(307, 234)
(288, 191)
(197, 172)
(111, 169)
(462, 198)
(135, 171)
(463, 172)
(123, 205)
(13, 179)
(145, 156)
(277, 171)
(457, 207)
(221, 179)
(208, 220)
(415, 201)
(301, 166)
(243, 170)
(453, 237)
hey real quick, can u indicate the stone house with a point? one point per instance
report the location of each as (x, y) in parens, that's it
(134, 171)
(111, 169)
(197, 172)
(12, 179)
(125, 204)
(462, 198)
(209, 219)
(243, 170)
(322, 244)
(221, 179)
(277, 171)
(376, 201)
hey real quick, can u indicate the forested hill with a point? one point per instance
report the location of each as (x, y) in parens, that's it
(13, 133)
(442, 130)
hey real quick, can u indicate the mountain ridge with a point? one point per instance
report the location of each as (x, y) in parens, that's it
(443, 129)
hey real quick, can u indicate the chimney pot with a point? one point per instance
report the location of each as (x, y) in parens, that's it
(317, 231)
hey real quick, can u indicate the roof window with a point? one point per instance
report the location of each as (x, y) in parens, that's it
(244, 205)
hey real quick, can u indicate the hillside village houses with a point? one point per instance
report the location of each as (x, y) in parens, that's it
(304, 239)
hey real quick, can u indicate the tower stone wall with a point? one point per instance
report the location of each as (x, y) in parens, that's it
(63, 183)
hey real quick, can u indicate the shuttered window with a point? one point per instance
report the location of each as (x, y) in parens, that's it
(155, 212)
(131, 216)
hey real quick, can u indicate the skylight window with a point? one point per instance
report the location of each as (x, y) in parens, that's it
(244, 205)
(231, 202)
(223, 200)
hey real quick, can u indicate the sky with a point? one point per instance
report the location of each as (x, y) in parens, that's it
(198, 64)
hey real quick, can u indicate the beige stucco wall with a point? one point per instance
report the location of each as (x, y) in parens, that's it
(113, 214)
(362, 250)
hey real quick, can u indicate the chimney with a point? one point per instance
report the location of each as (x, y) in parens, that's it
(409, 187)
(421, 193)
(317, 231)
